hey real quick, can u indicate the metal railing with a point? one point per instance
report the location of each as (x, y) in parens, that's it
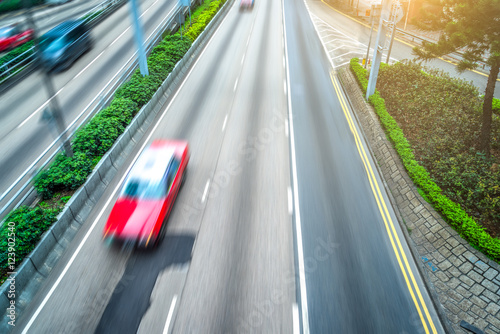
(100, 101)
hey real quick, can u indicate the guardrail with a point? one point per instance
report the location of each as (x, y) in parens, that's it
(27, 58)
(21, 189)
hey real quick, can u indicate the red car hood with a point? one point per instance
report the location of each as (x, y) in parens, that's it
(133, 219)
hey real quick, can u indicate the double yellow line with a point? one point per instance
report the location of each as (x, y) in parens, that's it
(391, 231)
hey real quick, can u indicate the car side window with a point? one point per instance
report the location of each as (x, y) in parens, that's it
(172, 171)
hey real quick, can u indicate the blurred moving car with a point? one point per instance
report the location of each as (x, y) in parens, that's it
(63, 45)
(246, 4)
(12, 36)
(148, 194)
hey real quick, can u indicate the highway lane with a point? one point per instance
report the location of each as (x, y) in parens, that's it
(22, 136)
(236, 228)
(358, 283)
(337, 26)
(227, 264)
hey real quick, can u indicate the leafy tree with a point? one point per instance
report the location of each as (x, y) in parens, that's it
(473, 26)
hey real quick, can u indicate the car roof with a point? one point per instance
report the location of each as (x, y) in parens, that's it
(64, 27)
(152, 163)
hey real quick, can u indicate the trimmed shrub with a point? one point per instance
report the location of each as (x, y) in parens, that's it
(453, 213)
(65, 173)
(201, 21)
(29, 225)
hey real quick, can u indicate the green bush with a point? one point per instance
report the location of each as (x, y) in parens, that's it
(65, 173)
(203, 19)
(29, 225)
(452, 212)
(496, 106)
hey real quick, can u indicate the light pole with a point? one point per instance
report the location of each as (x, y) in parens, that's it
(55, 111)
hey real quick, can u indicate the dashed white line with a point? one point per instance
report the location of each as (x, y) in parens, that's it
(298, 226)
(295, 313)
(284, 86)
(248, 39)
(88, 65)
(235, 84)
(242, 59)
(283, 61)
(290, 201)
(224, 125)
(117, 38)
(204, 197)
(170, 313)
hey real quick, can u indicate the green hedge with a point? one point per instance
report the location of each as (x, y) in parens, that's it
(29, 225)
(200, 22)
(452, 212)
(93, 140)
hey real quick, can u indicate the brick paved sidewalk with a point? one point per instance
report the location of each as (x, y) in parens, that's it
(463, 282)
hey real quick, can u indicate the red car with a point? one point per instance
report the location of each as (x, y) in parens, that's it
(13, 36)
(246, 4)
(148, 194)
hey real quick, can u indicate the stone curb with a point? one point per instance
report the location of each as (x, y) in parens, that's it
(38, 264)
(464, 284)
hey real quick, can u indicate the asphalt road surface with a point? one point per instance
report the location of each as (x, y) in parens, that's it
(282, 226)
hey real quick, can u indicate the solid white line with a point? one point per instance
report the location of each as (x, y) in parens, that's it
(286, 128)
(225, 121)
(243, 58)
(295, 315)
(235, 84)
(205, 192)
(72, 259)
(283, 61)
(88, 65)
(170, 313)
(298, 227)
(290, 203)
(284, 86)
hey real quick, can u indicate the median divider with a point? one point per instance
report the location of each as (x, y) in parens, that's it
(38, 264)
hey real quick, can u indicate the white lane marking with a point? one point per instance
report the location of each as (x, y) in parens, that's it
(298, 227)
(235, 84)
(117, 38)
(34, 113)
(225, 121)
(248, 39)
(204, 197)
(284, 86)
(154, 3)
(243, 58)
(73, 257)
(290, 201)
(89, 65)
(286, 128)
(170, 313)
(283, 61)
(295, 313)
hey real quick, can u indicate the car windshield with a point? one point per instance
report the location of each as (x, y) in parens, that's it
(143, 189)
(53, 44)
(5, 32)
